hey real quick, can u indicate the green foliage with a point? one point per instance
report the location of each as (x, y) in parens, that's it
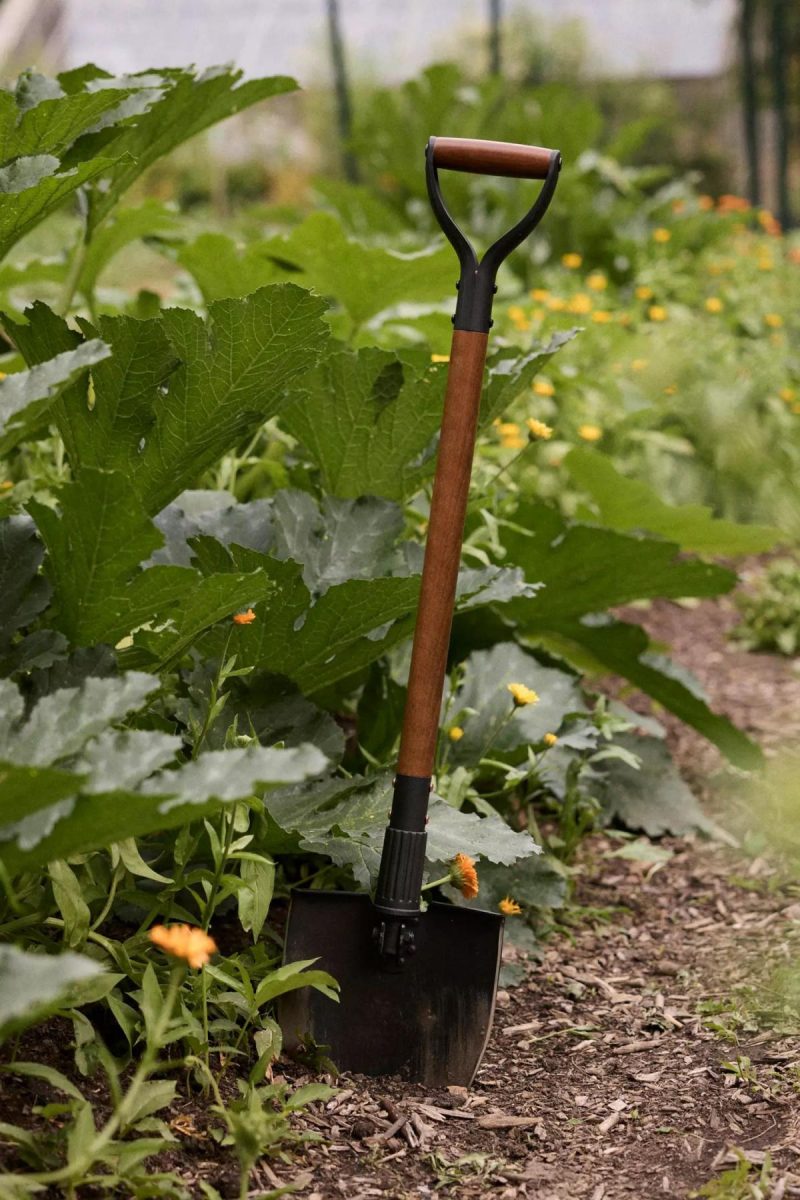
(771, 609)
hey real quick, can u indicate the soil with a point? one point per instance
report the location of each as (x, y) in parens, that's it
(642, 1051)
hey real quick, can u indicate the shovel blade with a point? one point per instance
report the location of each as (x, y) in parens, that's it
(427, 1022)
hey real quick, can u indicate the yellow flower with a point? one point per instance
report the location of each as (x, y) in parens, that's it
(455, 733)
(643, 292)
(657, 313)
(3, 375)
(244, 618)
(661, 235)
(516, 313)
(543, 387)
(522, 695)
(714, 304)
(788, 394)
(705, 203)
(440, 358)
(774, 320)
(766, 264)
(184, 941)
(571, 261)
(540, 295)
(464, 876)
(796, 408)
(639, 364)
(671, 389)
(509, 907)
(590, 433)
(539, 429)
(508, 428)
(597, 281)
(556, 304)
(580, 303)
(602, 316)
(550, 739)
(6, 485)
(513, 443)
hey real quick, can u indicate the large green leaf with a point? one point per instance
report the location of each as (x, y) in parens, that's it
(628, 504)
(150, 219)
(223, 269)
(605, 645)
(368, 420)
(166, 800)
(586, 569)
(365, 280)
(345, 819)
(95, 545)
(32, 188)
(491, 723)
(654, 798)
(27, 396)
(178, 392)
(34, 985)
(184, 103)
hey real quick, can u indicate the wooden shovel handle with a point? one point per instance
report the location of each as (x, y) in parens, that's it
(492, 158)
(442, 553)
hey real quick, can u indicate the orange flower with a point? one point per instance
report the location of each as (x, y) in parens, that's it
(464, 876)
(244, 618)
(509, 907)
(550, 739)
(184, 941)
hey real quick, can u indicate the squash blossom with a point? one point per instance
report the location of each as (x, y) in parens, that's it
(184, 941)
(522, 695)
(464, 876)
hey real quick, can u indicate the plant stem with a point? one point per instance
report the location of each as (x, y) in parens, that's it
(127, 1106)
(212, 698)
(74, 273)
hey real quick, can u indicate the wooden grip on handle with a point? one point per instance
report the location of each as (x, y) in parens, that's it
(442, 553)
(492, 158)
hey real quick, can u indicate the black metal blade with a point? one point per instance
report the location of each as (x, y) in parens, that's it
(428, 1022)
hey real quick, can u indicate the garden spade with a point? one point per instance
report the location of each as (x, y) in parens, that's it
(418, 987)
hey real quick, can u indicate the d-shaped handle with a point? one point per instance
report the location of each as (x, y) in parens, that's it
(511, 159)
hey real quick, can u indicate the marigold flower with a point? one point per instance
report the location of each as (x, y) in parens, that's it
(440, 358)
(661, 235)
(638, 364)
(657, 312)
(464, 876)
(455, 733)
(244, 618)
(602, 316)
(788, 394)
(729, 204)
(643, 292)
(184, 941)
(522, 695)
(539, 429)
(543, 387)
(705, 203)
(774, 320)
(714, 304)
(769, 223)
(597, 281)
(550, 739)
(509, 907)
(590, 433)
(572, 261)
(540, 295)
(580, 303)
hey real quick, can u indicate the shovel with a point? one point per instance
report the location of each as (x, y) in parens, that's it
(418, 988)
